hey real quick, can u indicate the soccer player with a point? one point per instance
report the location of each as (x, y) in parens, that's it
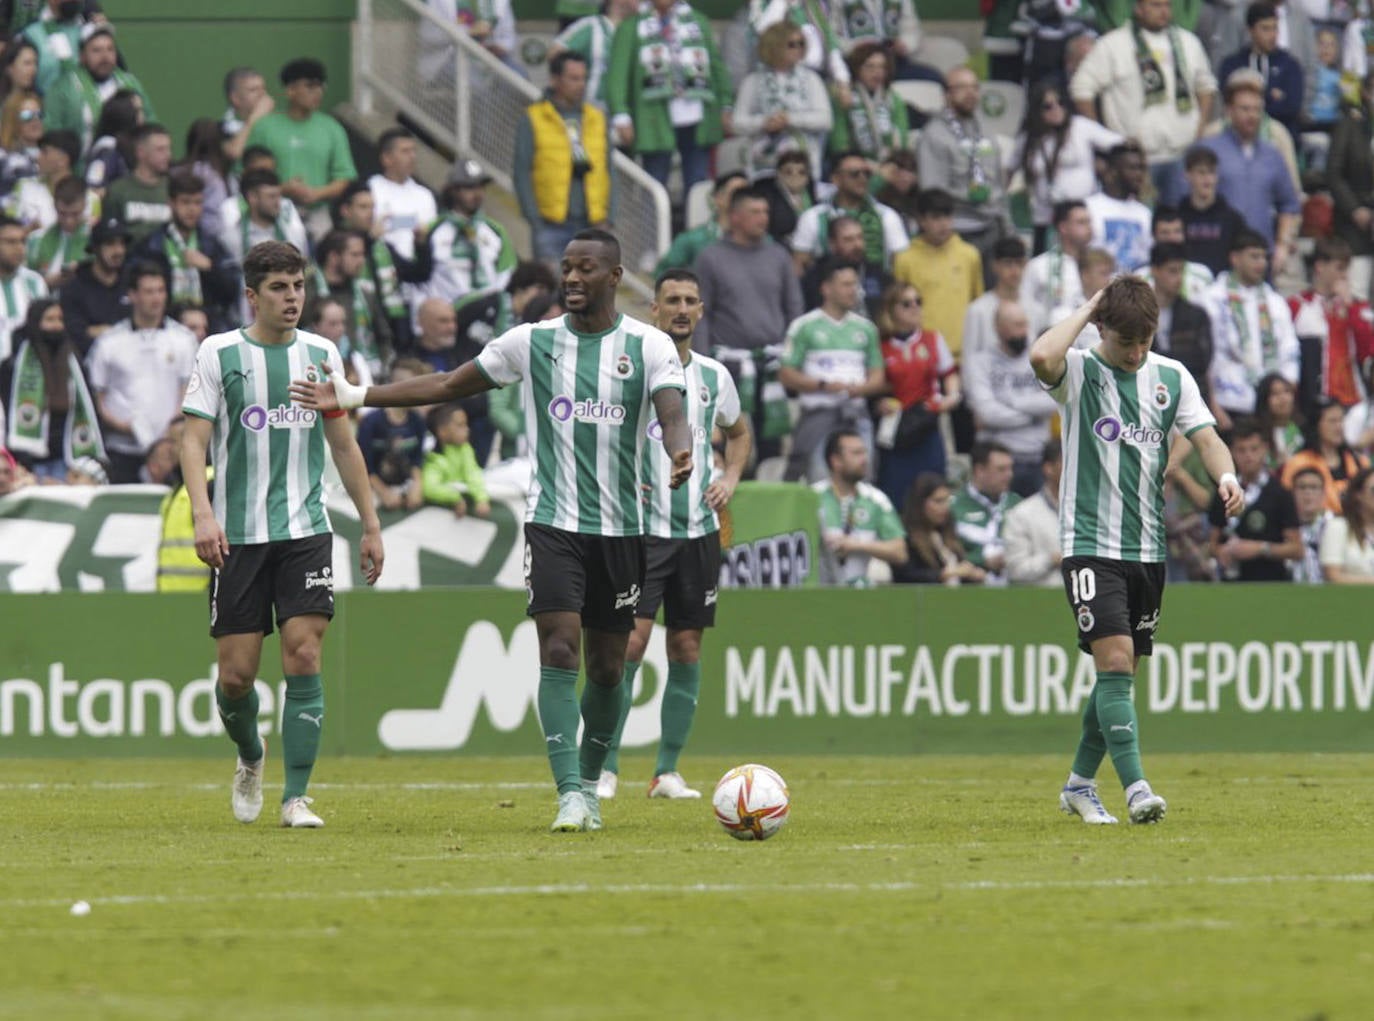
(1121, 403)
(682, 538)
(591, 383)
(267, 535)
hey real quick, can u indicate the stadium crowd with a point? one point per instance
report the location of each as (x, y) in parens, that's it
(872, 271)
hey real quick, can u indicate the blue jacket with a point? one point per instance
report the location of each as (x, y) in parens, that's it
(1283, 75)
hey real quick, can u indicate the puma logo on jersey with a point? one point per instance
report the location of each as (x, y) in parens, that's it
(236, 376)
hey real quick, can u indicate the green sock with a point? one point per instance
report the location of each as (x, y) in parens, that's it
(240, 718)
(1116, 713)
(302, 723)
(1091, 747)
(678, 710)
(600, 715)
(558, 715)
(627, 699)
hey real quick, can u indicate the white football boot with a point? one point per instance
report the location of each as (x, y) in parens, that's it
(246, 797)
(296, 814)
(671, 785)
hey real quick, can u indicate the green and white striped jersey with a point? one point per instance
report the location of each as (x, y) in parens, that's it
(587, 412)
(269, 454)
(682, 513)
(1116, 434)
(867, 515)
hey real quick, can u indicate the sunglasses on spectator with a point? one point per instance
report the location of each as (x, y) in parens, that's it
(30, 115)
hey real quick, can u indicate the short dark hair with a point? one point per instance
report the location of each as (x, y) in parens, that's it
(848, 154)
(183, 182)
(563, 58)
(794, 156)
(391, 136)
(257, 152)
(1199, 156)
(746, 194)
(1166, 252)
(260, 178)
(531, 273)
(235, 76)
(1309, 469)
(69, 190)
(833, 225)
(1128, 306)
(438, 417)
(146, 131)
(9, 221)
(1246, 427)
(983, 450)
(1052, 452)
(832, 442)
(302, 67)
(829, 266)
(1009, 247)
(1247, 238)
(604, 238)
(321, 303)
(141, 269)
(63, 141)
(1258, 12)
(334, 242)
(934, 202)
(1166, 214)
(1123, 149)
(723, 179)
(1332, 250)
(268, 257)
(1063, 209)
(676, 273)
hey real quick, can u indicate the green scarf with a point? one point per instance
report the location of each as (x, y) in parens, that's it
(872, 128)
(186, 288)
(1255, 361)
(862, 22)
(246, 227)
(875, 240)
(756, 376)
(381, 270)
(362, 338)
(91, 103)
(673, 58)
(1153, 75)
(27, 432)
(50, 251)
(465, 250)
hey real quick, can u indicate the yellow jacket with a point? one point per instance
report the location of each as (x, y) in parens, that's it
(178, 567)
(553, 163)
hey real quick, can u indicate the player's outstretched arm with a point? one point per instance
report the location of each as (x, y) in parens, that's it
(353, 471)
(1216, 458)
(211, 545)
(677, 437)
(739, 443)
(335, 392)
(1048, 351)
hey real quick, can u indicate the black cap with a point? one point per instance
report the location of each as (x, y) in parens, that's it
(106, 231)
(468, 174)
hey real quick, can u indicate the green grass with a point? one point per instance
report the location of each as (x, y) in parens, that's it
(901, 888)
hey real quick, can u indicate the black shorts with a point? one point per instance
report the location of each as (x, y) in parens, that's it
(599, 577)
(296, 576)
(1114, 597)
(683, 576)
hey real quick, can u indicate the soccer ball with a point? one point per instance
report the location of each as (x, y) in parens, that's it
(751, 802)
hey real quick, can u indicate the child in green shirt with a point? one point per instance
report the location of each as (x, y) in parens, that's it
(451, 473)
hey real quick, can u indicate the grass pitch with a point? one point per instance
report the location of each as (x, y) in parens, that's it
(901, 888)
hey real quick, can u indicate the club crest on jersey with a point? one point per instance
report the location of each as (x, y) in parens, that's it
(312, 374)
(1086, 620)
(705, 395)
(623, 365)
(193, 384)
(1162, 397)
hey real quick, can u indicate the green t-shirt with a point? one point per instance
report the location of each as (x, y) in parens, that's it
(683, 252)
(978, 521)
(143, 208)
(840, 351)
(315, 149)
(867, 515)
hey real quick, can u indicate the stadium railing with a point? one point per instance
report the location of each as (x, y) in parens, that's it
(407, 58)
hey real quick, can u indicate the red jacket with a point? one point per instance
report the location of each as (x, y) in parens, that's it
(1346, 342)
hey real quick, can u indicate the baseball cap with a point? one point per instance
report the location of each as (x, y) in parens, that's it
(468, 174)
(106, 231)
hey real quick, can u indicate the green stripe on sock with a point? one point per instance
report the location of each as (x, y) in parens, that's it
(302, 725)
(627, 700)
(558, 716)
(1120, 729)
(676, 715)
(240, 719)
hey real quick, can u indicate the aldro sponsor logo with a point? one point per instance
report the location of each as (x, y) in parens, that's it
(256, 418)
(597, 412)
(1110, 429)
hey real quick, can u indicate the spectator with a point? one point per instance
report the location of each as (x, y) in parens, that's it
(1350, 174)
(138, 370)
(489, 23)
(845, 243)
(341, 273)
(749, 295)
(1324, 88)
(473, 255)
(1057, 153)
(1282, 76)
(955, 154)
(858, 523)
(1209, 222)
(1031, 531)
(313, 156)
(260, 213)
(384, 267)
(31, 202)
(688, 244)
(53, 253)
(57, 36)
(245, 90)
(934, 554)
(833, 361)
(1184, 332)
(824, 53)
(139, 199)
(1252, 330)
(900, 186)
(48, 409)
(1167, 229)
(563, 161)
(108, 158)
(1335, 330)
(884, 235)
(439, 345)
(93, 301)
(402, 205)
(923, 380)
(668, 89)
(451, 475)
(73, 103)
(205, 158)
(1121, 222)
(1251, 175)
(875, 122)
(1327, 452)
(1347, 546)
(1359, 419)
(21, 128)
(784, 106)
(393, 444)
(980, 508)
(790, 191)
(199, 268)
(19, 285)
(1008, 273)
(1051, 30)
(893, 24)
(13, 475)
(946, 269)
(1010, 408)
(1050, 286)
(194, 319)
(1309, 497)
(1255, 544)
(1155, 86)
(1276, 411)
(590, 38)
(160, 466)
(18, 68)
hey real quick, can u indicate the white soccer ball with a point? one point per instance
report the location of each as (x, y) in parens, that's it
(751, 802)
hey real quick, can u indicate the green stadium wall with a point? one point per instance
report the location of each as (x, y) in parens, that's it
(180, 50)
(894, 670)
(929, 10)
